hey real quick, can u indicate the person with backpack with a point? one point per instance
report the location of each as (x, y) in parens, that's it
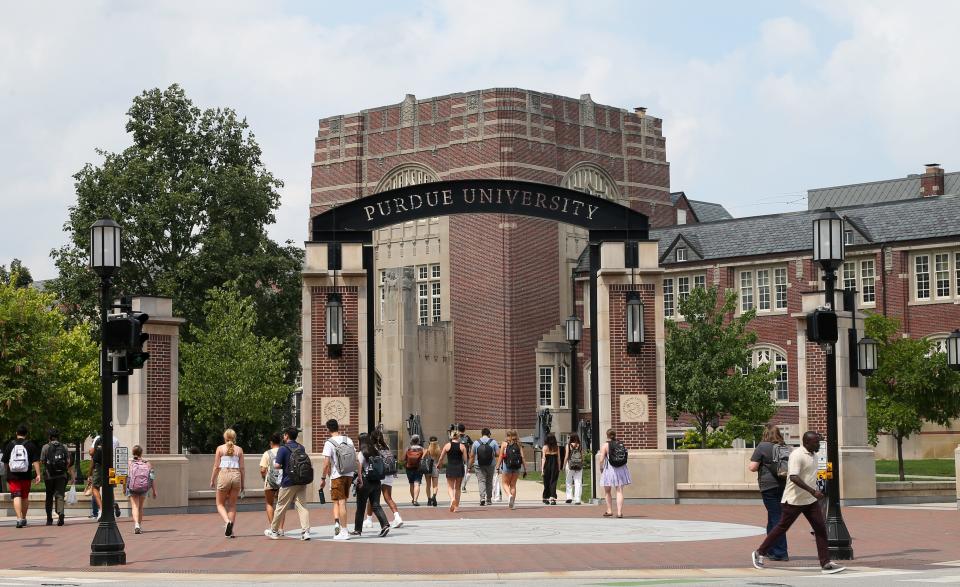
(616, 474)
(22, 462)
(573, 469)
(484, 454)
(456, 455)
(227, 478)
(467, 444)
(369, 482)
(57, 466)
(550, 465)
(770, 461)
(97, 475)
(340, 465)
(411, 464)
(293, 461)
(271, 478)
(430, 470)
(140, 481)
(386, 484)
(510, 461)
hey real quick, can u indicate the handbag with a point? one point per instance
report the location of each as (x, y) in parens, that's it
(88, 490)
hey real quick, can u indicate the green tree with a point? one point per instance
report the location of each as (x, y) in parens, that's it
(18, 274)
(194, 199)
(912, 384)
(48, 374)
(708, 355)
(232, 378)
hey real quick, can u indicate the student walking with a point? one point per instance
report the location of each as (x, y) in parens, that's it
(57, 466)
(456, 455)
(386, 484)
(340, 465)
(800, 496)
(550, 465)
(484, 455)
(510, 461)
(615, 475)
(431, 471)
(467, 444)
(293, 461)
(369, 485)
(271, 478)
(140, 481)
(227, 478)
(768, 458)
(573, 469)
(22, 461)
(411, 464)
(97, 476)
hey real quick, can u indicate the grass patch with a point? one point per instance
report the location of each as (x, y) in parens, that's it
(921, 467)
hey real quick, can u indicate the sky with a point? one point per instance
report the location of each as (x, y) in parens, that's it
(761, 101)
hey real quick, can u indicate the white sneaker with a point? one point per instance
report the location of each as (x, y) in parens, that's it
(397, 522)
(757, 559)
(336, 529)
(342, 536)
(831, 568)
(305, 535)
(368, 522)
(269, 533)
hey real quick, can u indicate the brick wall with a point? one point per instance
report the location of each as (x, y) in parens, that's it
(335, 376)
(158, 394)
(632, 374)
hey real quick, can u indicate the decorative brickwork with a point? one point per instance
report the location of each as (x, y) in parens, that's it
(158, 394)
(633, 374)
(334, 377)
(816, 389)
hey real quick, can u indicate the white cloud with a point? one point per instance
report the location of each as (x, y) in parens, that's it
(785, 38)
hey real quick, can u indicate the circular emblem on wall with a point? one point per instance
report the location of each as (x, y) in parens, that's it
(634, 408)
(337, 408)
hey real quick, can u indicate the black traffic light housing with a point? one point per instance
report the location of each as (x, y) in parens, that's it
(125, 335)
(822, 326)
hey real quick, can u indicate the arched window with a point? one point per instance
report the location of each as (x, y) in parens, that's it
(591, 179)
(774, 359)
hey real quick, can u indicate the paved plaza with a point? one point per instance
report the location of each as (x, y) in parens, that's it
(692, 544)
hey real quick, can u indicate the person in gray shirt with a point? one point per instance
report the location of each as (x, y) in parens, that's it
(764, 463)
(484, 454)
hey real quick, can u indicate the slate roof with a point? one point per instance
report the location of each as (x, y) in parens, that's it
(886, 222)
(876, 191)
(709, 211)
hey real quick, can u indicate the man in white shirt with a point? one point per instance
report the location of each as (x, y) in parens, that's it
(800, 497)
(341, 470)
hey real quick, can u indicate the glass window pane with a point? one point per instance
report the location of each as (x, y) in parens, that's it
(546, 387)
(942, 266)
(668, 297)
(850, 275)
(921, 274)
(763, 289)
(780, 285)
(746, 290)
(683, 288)
(699, 281)
(868, 294)
(562, 386)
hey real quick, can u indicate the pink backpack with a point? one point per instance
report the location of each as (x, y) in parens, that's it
(139, 478)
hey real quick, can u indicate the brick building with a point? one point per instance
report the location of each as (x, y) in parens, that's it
(471, 305)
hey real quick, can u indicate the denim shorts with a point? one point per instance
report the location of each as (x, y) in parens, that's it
(414, 476)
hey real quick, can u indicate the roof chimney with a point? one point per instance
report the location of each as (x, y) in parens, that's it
(931, 182)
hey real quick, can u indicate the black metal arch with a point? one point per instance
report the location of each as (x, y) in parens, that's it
(606, 219)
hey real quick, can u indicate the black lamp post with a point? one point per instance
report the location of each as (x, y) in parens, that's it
(574, 334)
(635, 333)
(334, 325)
(107, 546)
(867, 356)
(953, 350)
(828, 252)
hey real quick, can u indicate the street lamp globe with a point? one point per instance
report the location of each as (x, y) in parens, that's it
(635, 333)
(334, 325)
(953, 350)
(828, 240)
(574, 329)
(105, 247)
(867, 356)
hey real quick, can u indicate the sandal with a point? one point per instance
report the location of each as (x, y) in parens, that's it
(619, 515)
(607, 515)
(553, 502)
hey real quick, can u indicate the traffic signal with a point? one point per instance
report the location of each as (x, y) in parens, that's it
(822, 326)
(137, 357)
(124, 334)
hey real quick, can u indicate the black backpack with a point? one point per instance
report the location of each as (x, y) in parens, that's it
(617, 454)
(57, 460)
(426, 465)
(374, 468)
(484, 454)
(300, 469)
(389, 462)
(514, 458)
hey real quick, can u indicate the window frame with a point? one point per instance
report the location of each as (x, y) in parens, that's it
(672, 294)
(681, 254)
(563, 398)
(777, 358)
(768, 290)
(545, 370)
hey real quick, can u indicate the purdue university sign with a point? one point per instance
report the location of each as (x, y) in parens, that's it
(478, 196)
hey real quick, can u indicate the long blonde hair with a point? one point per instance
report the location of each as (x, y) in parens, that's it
(230, 439)
(771, 433)
(433, 449)
(512, 437)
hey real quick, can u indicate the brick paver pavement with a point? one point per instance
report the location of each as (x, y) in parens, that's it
(883, 538)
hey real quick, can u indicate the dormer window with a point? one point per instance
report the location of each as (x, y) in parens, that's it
(681, 254)
(848, 237)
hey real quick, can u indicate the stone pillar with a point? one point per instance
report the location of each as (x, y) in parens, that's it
(148, 414)
(333, 387)
(857, 468)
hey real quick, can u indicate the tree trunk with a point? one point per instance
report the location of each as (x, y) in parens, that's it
(703, 433)
(900, 455)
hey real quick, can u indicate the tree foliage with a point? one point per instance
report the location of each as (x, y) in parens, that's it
(912, 384)
(194, 198)
(18, 274)
(706, 358)
(232, 378)
(48, 374)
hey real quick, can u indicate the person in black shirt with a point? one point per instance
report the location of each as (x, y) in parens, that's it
(764, 463)
(22, 459)
(57, 466)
